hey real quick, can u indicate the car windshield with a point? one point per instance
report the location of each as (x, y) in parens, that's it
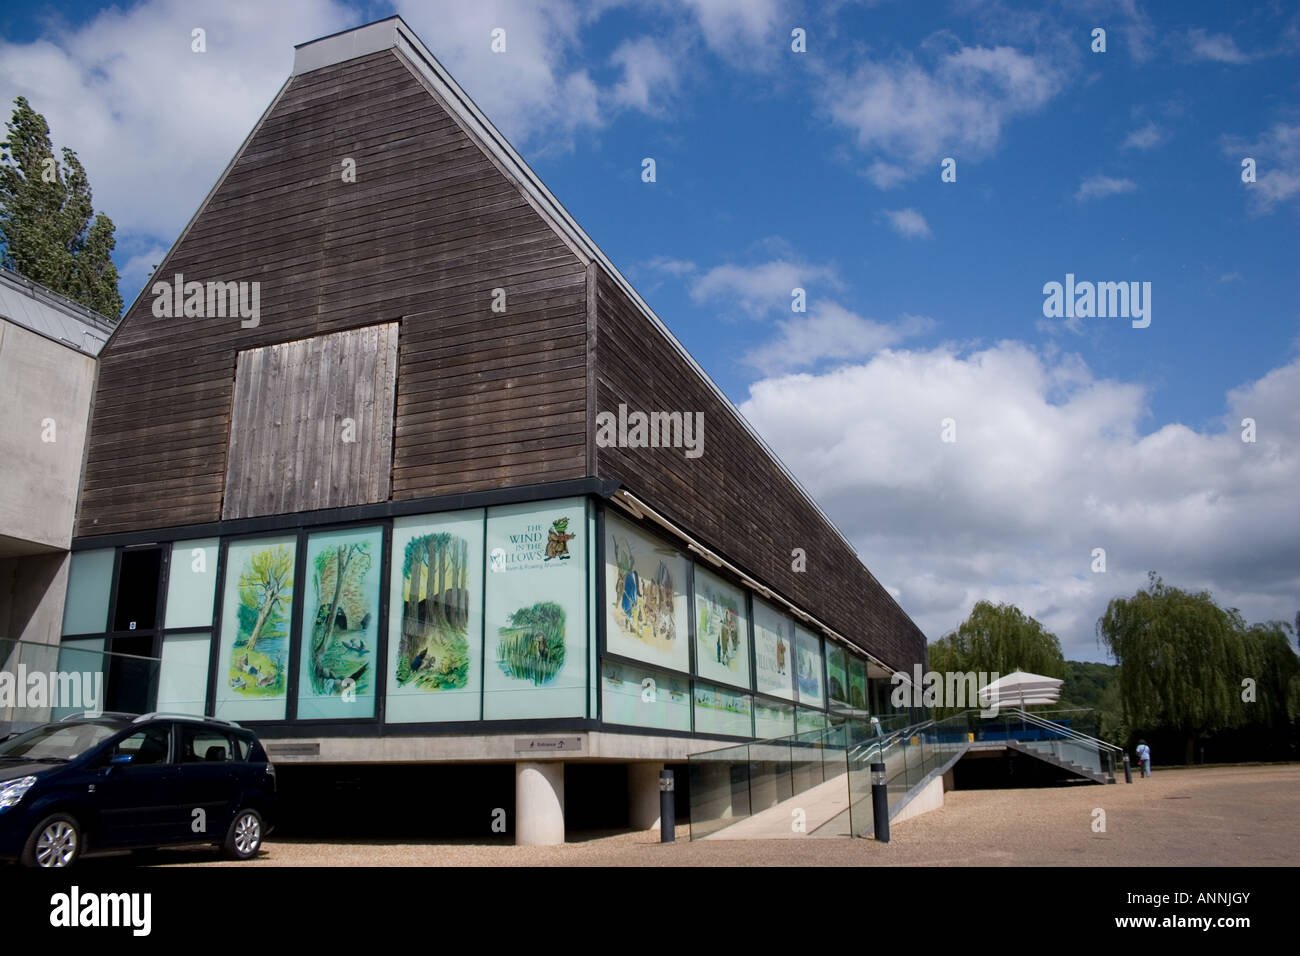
(59, 741)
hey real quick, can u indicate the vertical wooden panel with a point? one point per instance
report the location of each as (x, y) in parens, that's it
(291, 403)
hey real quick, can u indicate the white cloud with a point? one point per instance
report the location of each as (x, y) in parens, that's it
(830, 332)
(734, 28)
(1049, 463)
(760, 290)
(1145, 137)
(1099, 187)
(909, 223)
(154, 123)
(650, 76)
(908, 117)
(1217, 47)
(1277, 165)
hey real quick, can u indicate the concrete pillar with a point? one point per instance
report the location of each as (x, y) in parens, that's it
(539, 803)
(643, 795)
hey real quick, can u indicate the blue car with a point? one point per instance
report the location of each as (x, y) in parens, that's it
(97, 782)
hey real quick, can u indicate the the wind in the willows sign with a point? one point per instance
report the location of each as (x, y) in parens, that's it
(536, 637)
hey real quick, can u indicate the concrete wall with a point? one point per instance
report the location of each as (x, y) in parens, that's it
(40, 380)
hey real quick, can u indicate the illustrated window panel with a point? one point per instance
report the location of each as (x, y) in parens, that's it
(642, 697)
(857, 682)
(340, 625)
(808, 720)
(90, 579)
(808, 649)
(256, 610)
(774, 656)
(721, 630)
(837, 676)
(192, 583)
(722, 711)
(435, 618)
(647, 616)
(535, 643)
(772, 719)
(183, 682)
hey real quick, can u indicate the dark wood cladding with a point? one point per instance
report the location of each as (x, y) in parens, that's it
(734, 498)
(430, 227)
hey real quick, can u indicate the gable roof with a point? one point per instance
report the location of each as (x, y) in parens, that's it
(394, 33)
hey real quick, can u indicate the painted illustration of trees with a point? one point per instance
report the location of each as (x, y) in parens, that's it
(266, 586)
(435, 611)
(339, 573)
(531, 645)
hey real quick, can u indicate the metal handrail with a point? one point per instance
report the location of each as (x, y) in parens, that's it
(1066, 731)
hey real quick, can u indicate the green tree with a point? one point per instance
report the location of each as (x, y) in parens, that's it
(49, 231)
(999, 638)
(1182, 660)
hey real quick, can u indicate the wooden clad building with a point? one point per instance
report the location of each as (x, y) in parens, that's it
(381, 324)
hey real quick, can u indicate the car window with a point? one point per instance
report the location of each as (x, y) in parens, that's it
(147, 747)
(61, 741)
(244, 747)
(204, 745)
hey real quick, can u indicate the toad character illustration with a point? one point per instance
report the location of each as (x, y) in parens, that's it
(557, 541)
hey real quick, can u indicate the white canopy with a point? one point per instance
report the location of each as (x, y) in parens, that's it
(1019, 689)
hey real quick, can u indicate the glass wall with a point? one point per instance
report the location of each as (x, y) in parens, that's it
(456, 617)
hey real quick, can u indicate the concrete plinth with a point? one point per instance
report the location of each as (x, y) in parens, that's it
(539, 803)
(643, 795)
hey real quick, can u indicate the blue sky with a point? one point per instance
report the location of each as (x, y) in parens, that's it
(821, 170)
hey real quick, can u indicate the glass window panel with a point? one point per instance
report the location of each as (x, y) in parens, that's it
(647, 617)
(183, 684)
(192, 583)
(857, 682)
(809, 720)
(535, 642)
(340, 621)
(808, 647)
(435, 627)
(84, 657)
(773, 651)
(837, 678)
(772, 719)
(721, 711)
(721, 630)
(643, 697)
(256, 609)
(90, 578)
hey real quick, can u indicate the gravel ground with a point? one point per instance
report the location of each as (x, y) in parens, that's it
(1230, 816)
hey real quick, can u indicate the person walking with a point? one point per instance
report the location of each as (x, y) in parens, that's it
(1144, 756)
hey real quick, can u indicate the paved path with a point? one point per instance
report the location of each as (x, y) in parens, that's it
(1212, 817)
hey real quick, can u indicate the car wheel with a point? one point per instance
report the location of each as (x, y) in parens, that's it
(244, 838)
(56, 842)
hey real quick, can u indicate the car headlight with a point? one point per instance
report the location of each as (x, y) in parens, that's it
(11, 791)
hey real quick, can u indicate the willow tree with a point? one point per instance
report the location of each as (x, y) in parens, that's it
(999, 638)
(1275, 670)
(1182, 660)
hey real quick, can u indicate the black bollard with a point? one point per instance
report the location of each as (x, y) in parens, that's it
(1128, 770)
(667, 807)
(880, 801)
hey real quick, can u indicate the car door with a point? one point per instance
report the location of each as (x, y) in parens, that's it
(208, 784)
(136, 791)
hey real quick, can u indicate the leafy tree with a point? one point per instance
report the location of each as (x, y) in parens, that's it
(266, 585)
(999, 638)
(1182, 659)
(46, 227)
